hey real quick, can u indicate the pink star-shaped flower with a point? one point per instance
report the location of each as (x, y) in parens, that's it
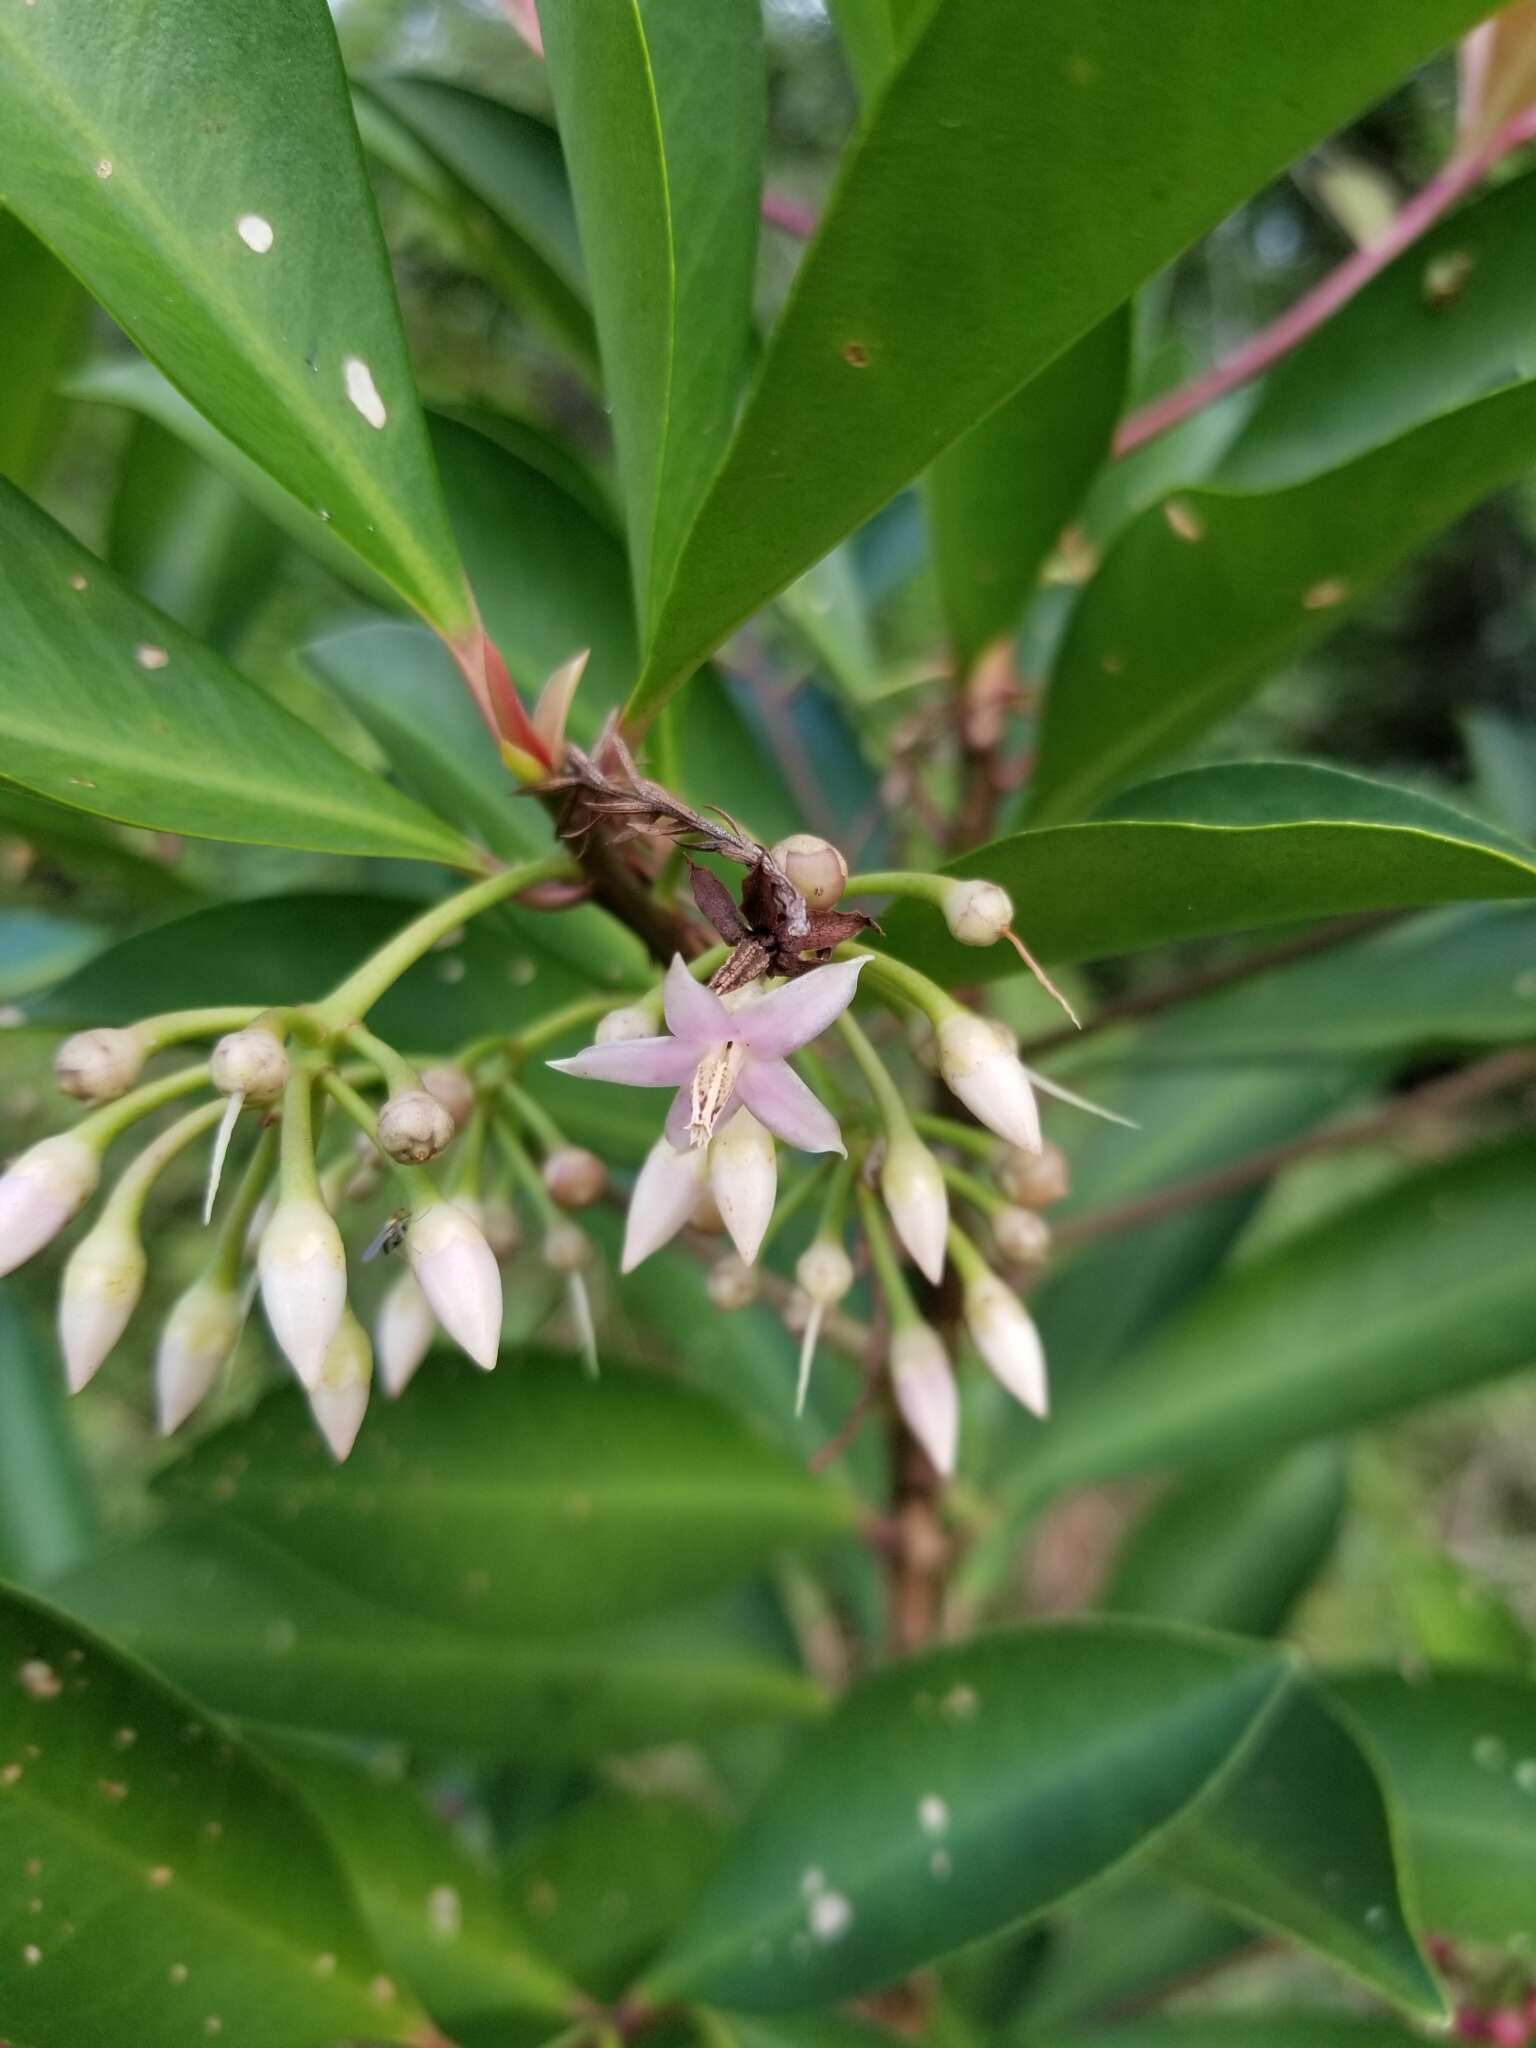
(719, 1058)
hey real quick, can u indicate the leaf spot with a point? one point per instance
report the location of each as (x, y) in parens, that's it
(78, 582)
(255, 232)
(1183, 520)
(149, 656)
(932, 1814)
(112, 1791)
(831, 1916)
(178, 1973)
(104, 168)
(855, 355)
(941, 1864)
(160, 1876)
(813, 1881)
(125, 1738)
(382, 1991)
(31, 1955)
(959, 1703)
(362, 390)
(325, 1966)
(33, 1867)
(39, 1681)
(1324, 596)
(10, 1775)
(213, 2024)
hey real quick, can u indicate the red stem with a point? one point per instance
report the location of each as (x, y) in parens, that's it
(1320, 304)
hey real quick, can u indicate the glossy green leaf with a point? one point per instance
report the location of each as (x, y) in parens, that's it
(93, 849)
(37, 947)
(960, 1793)
(1299, 1841)
(259, 284)
(1459, 1752)
(257, 1634)
(282, 949)
(999, 498)
(604, 1884)
(42, 320)
(161, 1883)
(1451, 977)
(435, 1908)
(534, 1502)
(908, 324)
(47, 1515)
(869, 31)
(1235, 1549)
(1416, 1293)
(1204, 596)
(1226, 849)
(1323, 2029)
(661, 116)
(1128, 1938)
(106, 704)
(1453, 1616)
(497, 176)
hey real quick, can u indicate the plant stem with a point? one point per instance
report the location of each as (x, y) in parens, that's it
(108, 1122)
(352, 999)
(228, 1255)
(175, 1027)
(399, 1076)
(125, 1204)
(298, 1179)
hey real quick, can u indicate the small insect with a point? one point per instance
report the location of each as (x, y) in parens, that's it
(391, 1237)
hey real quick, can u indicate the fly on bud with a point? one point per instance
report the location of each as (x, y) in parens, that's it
(925, 1392)
(43, 1190)
(988, 1078)
(303, 1271)
(457, 1272)
(198, 1340)
(251, 1063)
(100, 1291)
(814, 866)
(339, 1398)
(98, 1066)
(575, 1177)
(414, 1127)
(912, 1187)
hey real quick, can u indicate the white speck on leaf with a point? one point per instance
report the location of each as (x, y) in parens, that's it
(104, 168)
(178, 1973)
(362, 390)
(78, 582)
(31, 1955)
(255, 232)
(161, 1876)
(831, 1916)
(959, 1703)
(445, 1912)
(1323, 596)
(325, 1966)
(813, 1881)
(941, 1864)
(39, 1681)
(932, 1814)
(149, 656)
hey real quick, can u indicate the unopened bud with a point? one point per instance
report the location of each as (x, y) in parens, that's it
(666, 1189)
(99, 1292)
(303, 1271)
(990, 1082)
(732, 1283)
(925, 1392)
(453, 1088)
(1034, 1179)
(98, 1066)
(633, 1020)
(251, 1063)
(414, 1127)
(1022, 1238)
(402, 1334)
(339, 1398)
(503, 1233)
(977, 912)
(815, 867)
(824, 1272)
(42, 1191)
(198, 1340)
(912, 1186)
(575, 1177)
(744, 1180)
(567, 1247)
(1007, 1339)
(458, 1274)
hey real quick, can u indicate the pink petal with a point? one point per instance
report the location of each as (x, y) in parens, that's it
(778, 1097)
(637, 1062)
(800, 1011)
(665, 1191)
(679, 1115)
(693, 1011)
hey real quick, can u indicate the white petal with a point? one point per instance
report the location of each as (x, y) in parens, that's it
(199, 1336)
(666, 1189)
(634, 1062)
(99, 1292)
(1004, 1334)
(692, 1011)
(744, 1178)
(778, 1097)
(457, 1272)
(926, 1393)
(303, 1269)
(990, 1081)
(800, 1011)
(912, 1185)
(402, 1334)
(41, 1192)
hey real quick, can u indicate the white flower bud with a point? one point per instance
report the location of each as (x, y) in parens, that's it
(414, 1127)
(567, 1247)
(815, 867)
(339, 1398)
(503, 1232)
(198, 1340)
(453, 1088)
(744, 1180)
(926, 1393)
(402, 1334)
(575, 1177)
(1007, 1339)
(99, 1292)
(912, 1186)
(634, 1020)
(732, 1283)
(924, 1043)
(978, 913)
(667, 1188)
(98, 1066)
(303, 1271)
(459, 1276)
(42, 1191)
(1034, 1179)
(824, 1272)
(1021, 1237)
(251, 1063)
(990, 1082)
